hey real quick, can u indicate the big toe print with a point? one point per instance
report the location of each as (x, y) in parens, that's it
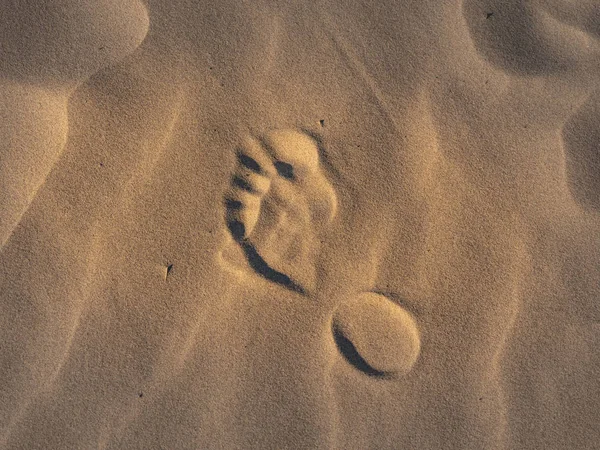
(278, 203)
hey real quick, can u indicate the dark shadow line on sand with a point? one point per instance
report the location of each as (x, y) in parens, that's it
(349, 352)
(258, 264)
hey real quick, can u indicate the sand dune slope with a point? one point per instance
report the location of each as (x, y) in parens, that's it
(48, 49)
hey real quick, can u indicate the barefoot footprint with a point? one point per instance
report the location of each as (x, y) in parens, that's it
(377, 336)
(278, 202)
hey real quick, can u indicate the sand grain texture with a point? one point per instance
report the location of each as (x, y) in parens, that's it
(273, 225)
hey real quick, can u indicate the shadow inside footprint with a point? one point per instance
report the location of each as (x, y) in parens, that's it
(284, 170)
(248, 162)
(260, 266)
(349, 352)
(256, 262)
(236, 228)
(376, 336)
(277, 201)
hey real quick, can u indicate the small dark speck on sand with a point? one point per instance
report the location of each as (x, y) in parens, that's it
(488, 15)
(168, 271)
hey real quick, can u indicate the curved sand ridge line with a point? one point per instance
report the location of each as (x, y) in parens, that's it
(42, 64)
(526, 38)
(540, 40)
(581, 136)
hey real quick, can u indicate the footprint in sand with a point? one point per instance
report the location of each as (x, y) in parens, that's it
(278, 203)
(376, 335)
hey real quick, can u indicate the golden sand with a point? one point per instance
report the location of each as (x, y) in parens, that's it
(300, 225)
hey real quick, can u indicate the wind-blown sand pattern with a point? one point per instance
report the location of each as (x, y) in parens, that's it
(283, 225)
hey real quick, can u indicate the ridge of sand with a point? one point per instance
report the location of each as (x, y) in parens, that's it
(48, 50)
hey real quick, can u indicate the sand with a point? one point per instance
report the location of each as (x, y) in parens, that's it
(300, 225)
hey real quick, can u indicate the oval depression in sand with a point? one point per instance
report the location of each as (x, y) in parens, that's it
(376, 335)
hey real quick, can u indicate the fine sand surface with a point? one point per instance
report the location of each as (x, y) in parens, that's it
(300, 225)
